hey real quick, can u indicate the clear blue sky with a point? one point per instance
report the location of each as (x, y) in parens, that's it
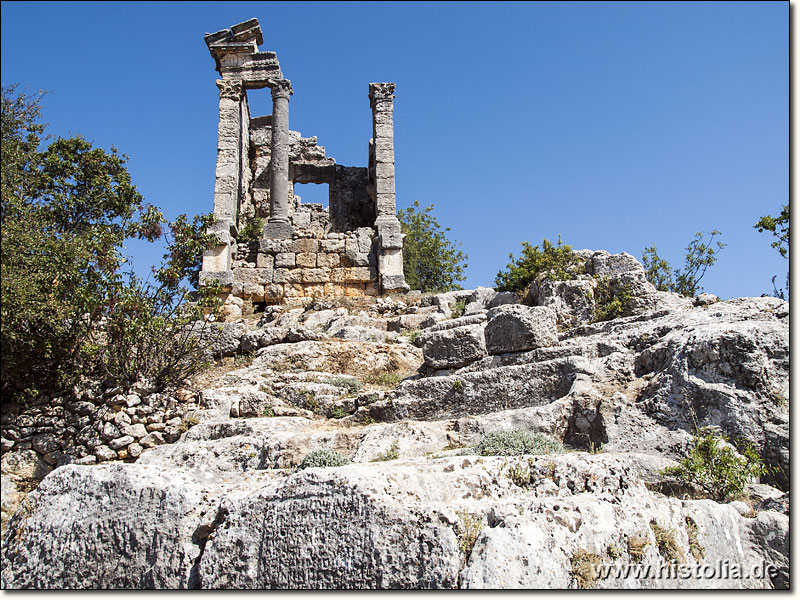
(617, 125)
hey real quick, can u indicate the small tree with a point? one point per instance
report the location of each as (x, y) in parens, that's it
(68, 309)
(715, 467)
(431, 262)
(700, 255)
(779, 227)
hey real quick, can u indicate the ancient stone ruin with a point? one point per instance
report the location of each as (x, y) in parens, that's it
(353, 248)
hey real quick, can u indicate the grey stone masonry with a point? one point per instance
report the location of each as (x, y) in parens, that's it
(351, 247)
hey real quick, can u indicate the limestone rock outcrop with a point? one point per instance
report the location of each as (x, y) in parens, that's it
(403, 390)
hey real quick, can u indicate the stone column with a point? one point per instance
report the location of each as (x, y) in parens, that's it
(390, 239)
(228, 176)
(278, 226)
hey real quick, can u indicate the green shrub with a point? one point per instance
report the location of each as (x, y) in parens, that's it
(70, 305)
(715, 467)
(252, 231)
(323, 458)
(393, 453)
(458, 309)
(337, 412)
(514, 443)
(351, 384)
(470, 527)
(700, 255)
(431, 262)
(552, 262)
(611, 301)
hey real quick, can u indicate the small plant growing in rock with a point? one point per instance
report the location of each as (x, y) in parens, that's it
(385, 379)
(614, 552)
(520, 474)
(188, 422)
(458, 309)
(637, 544)
(715, 467)
(252, 231)
(243, 360)
(351, 384)
(337, 412)
(323, 458)
(695, 547)
(268, 412)
(611, 302)
(458, 385)
(667, 544)
(393, 453)
(469, 528)
(584, 568)
(412, 337)
(515, 443)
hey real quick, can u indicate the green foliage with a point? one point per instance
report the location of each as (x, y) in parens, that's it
(384, 379)
(469, 529)
(252, 231)
(715, 467)
(700, 255)
(323, 458)
(268, 411)
(393, 453)
(556, 263)
(338, 412)
(458, 385)
(351, 384)
(431, 262)
(612, 299)
(514, 443)
(68, 308)
(779, 227)
(458, 309)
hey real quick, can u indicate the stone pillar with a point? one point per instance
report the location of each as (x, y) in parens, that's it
(390, 239)
(217, 260)
(278, 226)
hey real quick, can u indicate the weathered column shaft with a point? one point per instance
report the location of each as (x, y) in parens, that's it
(381, 97)
(228, 174)
(390, 238)
(279, 151)
(229, 149)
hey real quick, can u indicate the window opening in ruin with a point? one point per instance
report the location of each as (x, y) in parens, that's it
(259, 102)
(312, 193)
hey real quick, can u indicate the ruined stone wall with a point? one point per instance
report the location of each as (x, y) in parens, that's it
(334, 265)
(352, 248)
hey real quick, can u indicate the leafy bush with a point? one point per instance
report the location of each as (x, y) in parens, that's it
(68, 308)
(552, 262)
(323, 458)
(779, 227)
(611, 301)
(431, 262)
(700, 255)
(393, 453)
(458, 309)
(516, 442)
(715, 467)
(252, 231)
(351, 384)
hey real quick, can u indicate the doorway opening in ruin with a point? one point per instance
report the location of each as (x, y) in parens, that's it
(312, 193)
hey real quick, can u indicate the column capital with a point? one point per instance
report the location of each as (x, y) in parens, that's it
(380, 93)
(231, 89)
(281, 88)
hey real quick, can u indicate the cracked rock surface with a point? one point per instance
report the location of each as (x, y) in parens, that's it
(226, 507)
